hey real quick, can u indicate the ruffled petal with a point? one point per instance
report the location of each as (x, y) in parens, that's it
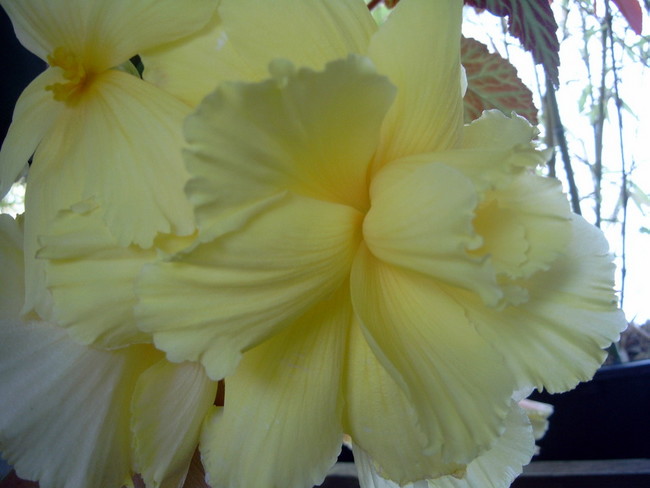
(34, 114)
(524, 226)
(121, 145)
(556, 339)
(167, 435)
(309, 132)
(421, 219)
(12, 282)
(226, 295)
(496, 468)
(457, 383)
(418, 48)
(104, 33)
(382, 422)
(65, 408)
(281, 423)
(98, 311)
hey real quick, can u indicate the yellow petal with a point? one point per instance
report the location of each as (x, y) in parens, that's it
(308, 33)
(34, 114)
(227, 295)
(524, 226)
(556, 339)
(421, 219)
(418, 48)
(309, 132)
(65, 408)
(382, 422)
(169, 405)
(126, 155)
(456, 382)
(12, 280)
(369, 476)
(193, 66)
(281, 423)
(104, 33)
(498, 467)
(97, 310)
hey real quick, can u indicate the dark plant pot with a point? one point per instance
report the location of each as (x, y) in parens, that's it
(606, 418)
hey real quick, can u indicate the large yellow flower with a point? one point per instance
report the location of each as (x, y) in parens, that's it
(76, 417)
(365, 264)
(96, 131)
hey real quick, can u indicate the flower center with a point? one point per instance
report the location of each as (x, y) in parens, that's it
(73, 71)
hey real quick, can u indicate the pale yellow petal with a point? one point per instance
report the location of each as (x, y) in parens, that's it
(421, 219)
(524, 226)
(121, 145)
(457, 383)
(224, 296)
(382, 422)
(34, 115)
(308, 33)
(418, 48)
(92, 278)
(369, 476)
(65, 408)
(557, 337)
(281, 423)
(12, 278)
(309, 132)
(192, 67)
(498, 467)
(169, 405)
(104, 33)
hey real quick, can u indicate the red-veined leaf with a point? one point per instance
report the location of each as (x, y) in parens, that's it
(631, 10)
(492, 82)
(533, 23)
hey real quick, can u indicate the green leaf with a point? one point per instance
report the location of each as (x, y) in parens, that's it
(533, 23)
(492, 82)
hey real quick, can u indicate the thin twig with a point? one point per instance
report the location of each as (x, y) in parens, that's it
(624, 175)
(560, 140)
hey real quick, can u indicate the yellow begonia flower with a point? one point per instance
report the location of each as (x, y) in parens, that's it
(95, 131)
(365, 264)
(76, 417)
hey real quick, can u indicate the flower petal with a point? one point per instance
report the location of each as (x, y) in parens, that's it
(498, 467)
(309, 132)
(33, 116)
(382, 422)
(456, 382)
(65, 408)
(167, 436)
(126, 155)
(12, 282)
(281, 423)
(248, 35)
(556, 339)
(97, 310)
(421, 219)
(418, 48)
(524, 226)
(104, 33)
(226, 295)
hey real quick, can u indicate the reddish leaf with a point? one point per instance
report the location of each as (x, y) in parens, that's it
(533, 23)
(631, 10)
(492, 82)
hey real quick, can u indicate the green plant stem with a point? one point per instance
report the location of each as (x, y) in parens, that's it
(560, 141)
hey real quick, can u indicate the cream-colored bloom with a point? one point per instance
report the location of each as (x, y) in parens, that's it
(72, 416)
(365, 264)
(95, 131)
